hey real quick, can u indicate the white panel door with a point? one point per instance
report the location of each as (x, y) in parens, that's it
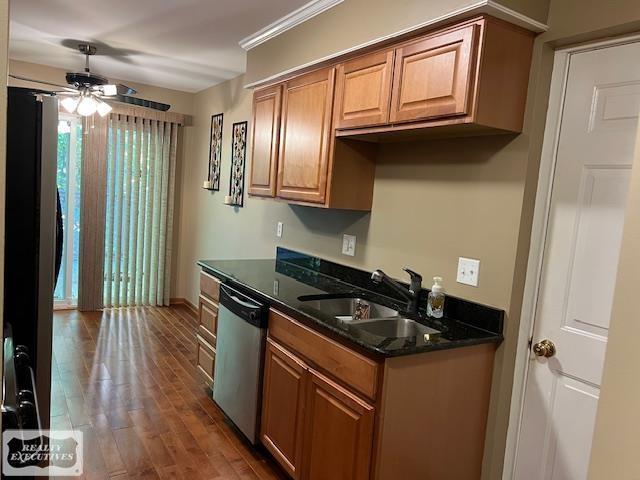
(582, 246)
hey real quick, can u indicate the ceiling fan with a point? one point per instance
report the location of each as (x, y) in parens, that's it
(88, 93)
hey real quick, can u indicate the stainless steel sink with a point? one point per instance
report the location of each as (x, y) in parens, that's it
(359, 315)
(395, 327)
(349, 308)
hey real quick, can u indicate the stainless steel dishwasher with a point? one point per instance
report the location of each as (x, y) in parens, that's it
(237, 385)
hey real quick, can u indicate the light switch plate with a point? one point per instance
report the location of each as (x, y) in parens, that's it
(279, 229)
(468, 271)
(349, 245)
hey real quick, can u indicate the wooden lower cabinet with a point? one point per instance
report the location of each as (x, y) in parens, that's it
(314, 428)
(339, 432)
(322, 417)
(283, 401)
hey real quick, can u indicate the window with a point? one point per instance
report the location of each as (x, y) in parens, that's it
(68, 179)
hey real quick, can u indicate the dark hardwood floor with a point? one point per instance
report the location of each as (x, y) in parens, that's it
(126, 379)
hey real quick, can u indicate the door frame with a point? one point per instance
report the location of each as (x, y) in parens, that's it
(548, 160)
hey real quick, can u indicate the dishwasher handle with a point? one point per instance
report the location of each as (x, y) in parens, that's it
(247, 308)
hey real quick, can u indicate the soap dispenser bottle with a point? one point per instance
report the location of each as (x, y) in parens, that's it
(435, 300)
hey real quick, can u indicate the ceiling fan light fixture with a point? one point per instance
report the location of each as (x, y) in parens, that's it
(103, 108)
(109, 90)
(87, 106)
(70, 104)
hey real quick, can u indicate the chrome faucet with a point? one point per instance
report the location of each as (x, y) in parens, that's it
(411, 294)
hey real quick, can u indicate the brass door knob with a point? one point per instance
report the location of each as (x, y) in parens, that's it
(544, 348)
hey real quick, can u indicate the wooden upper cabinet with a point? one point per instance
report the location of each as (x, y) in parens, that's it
(433, 76)
(283, 407)
(315, 133)
(363, 90)
(266, 129)
(305, 136)
(338, 437)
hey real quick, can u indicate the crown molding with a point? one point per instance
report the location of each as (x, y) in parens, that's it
(489, 7)
(302, 14)
(505, 13)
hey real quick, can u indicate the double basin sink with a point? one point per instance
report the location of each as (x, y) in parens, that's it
(356, 313)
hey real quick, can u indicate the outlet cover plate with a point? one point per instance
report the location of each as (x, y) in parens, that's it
(279, 229)
(468, 271)
(349, 245)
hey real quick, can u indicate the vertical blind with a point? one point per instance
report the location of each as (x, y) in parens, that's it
(141, 161)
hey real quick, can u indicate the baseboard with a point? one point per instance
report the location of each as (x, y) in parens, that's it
(193, 310)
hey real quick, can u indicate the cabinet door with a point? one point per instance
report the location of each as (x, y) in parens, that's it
(305, 136)
(266, 128)
(338, 434)
(433, 76)
(283, 407)
(363, 90)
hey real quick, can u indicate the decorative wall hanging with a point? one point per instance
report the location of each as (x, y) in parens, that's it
(215, 153)
(238, 155)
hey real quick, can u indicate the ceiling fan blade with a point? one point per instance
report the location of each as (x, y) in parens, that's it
(42, 82)
(125, 90)
(141, 102)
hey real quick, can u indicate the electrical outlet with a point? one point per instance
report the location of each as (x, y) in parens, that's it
(349, 245)
(279, 229)
(468, 271)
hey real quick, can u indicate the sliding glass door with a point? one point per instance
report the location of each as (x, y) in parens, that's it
(68, 178)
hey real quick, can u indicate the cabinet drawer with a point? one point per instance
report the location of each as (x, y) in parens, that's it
(206, 358)
(208, 319)
(355, 370)
(209, 286)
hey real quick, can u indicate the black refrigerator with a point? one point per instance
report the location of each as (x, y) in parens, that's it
(33, 241)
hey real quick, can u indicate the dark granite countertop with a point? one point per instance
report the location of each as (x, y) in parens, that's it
(282, 281)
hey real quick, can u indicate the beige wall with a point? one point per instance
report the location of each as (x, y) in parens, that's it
(616, 441)
(574, 21)
(419, 208)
